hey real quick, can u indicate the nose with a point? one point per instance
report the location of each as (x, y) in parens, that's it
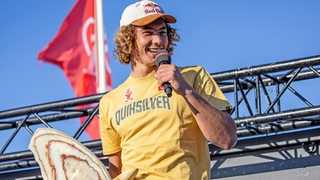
(157, 39)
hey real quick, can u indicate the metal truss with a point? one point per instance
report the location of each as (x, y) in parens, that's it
(275, 113)
(268, 100)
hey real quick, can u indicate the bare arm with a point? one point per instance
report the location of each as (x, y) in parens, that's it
(115, 164)
(217, 126)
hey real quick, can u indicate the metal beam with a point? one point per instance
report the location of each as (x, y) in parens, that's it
(258, 133)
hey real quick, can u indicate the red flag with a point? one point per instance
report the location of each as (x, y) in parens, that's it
(72, 49)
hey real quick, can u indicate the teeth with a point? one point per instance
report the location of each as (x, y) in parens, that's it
(154, 51)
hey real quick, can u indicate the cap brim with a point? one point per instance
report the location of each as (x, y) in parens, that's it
(149, 19)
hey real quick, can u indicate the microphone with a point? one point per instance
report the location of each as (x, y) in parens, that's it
(163, 57)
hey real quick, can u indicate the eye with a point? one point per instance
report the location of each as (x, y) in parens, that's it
(163, 33)
(147, 32)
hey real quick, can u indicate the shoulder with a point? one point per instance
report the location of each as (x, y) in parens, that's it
(112, 95)
(192, 73)
(191, 69)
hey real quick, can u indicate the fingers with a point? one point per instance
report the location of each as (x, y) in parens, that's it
(166, 73)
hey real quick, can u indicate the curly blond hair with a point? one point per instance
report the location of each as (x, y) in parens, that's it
(125, 42)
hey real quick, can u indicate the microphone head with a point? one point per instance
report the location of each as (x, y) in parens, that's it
(162, 57)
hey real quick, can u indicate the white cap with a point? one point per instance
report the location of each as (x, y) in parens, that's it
(142, 13)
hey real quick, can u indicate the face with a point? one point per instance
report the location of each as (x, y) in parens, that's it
(149, 39)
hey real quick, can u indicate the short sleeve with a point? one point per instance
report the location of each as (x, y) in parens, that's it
(207, 87)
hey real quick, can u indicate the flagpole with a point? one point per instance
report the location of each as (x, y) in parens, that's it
(100, 49)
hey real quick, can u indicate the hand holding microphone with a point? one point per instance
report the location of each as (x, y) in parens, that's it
(163, 57)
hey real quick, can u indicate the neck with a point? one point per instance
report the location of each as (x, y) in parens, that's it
(139, 70)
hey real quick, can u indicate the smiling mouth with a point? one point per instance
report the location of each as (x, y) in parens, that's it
(153, 50)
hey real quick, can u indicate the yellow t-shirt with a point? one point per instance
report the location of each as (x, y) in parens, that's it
(155, 133)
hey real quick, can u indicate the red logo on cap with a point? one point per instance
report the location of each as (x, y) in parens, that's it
(152, 8)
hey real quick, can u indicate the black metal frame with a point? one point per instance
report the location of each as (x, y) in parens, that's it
(261, 121)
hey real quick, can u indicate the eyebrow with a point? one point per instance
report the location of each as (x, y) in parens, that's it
(150, 28)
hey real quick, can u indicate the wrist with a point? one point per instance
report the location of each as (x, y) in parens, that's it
(189, 92)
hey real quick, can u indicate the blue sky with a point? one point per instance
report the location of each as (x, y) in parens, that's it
(217, 34)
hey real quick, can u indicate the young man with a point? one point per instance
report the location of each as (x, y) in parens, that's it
(141, 126)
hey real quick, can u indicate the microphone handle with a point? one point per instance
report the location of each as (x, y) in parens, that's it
(166, 86)
(167, 89)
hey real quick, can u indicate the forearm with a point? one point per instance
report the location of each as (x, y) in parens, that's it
(217, 127)
(115, 164)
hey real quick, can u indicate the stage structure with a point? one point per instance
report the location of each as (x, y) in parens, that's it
(275, 108)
